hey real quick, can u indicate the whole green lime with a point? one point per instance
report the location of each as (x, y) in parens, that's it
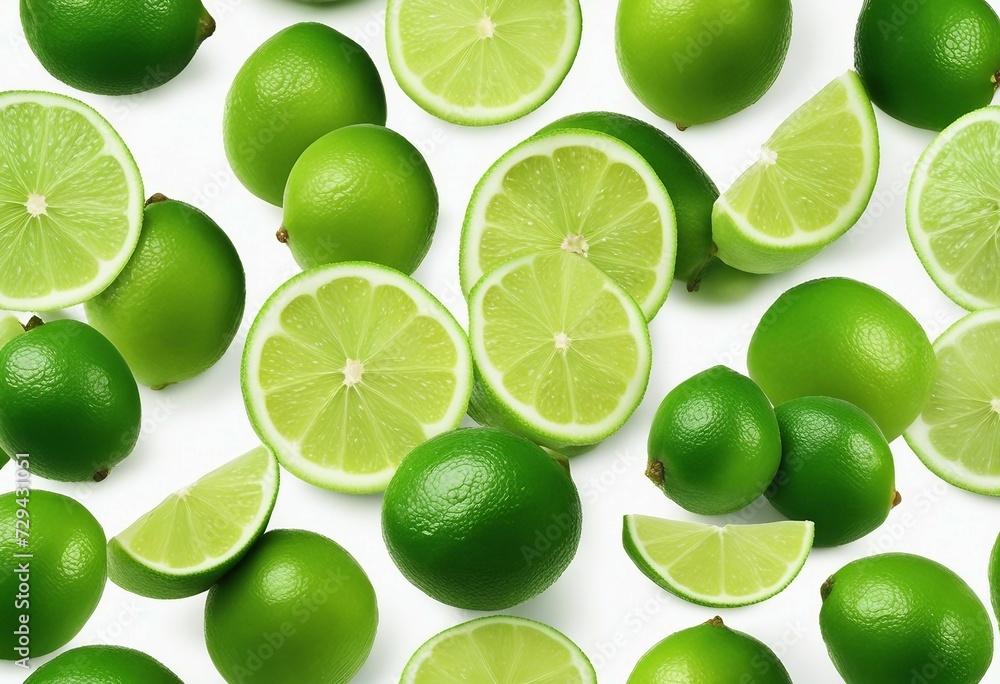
(103, 665)
(297, 608)
(836, 337)
(836, 470)
(481, 519)
(714, 446)
(709, 654)
(953, 46)
(302, 83)
(52, 574)
(896, 618)
(115, 47)
(697, 62)
(68, 400)
(175, 308)
(360, 193)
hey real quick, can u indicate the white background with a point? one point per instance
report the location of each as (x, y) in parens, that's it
(602, 602)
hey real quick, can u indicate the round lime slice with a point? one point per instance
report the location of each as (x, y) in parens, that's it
(347, 368)
(70, 202)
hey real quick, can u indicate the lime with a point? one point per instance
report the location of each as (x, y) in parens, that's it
(953, 210)
(481, 519)
(577, 192)
(10, 328)
(360, 193)
(709, 653)
(836, 337)
(721, 567)
(175, 308)
(115, 47)
(194, 536)
(696, 62)
(994, 573)
(302, 83)
(102, 665)
(297, 608)
(70, 210)
(478, 62)
(68, 400)
(953, 44)
(811, 184)
(562, 353)
(714, 445)
(890, 618)
(347, 368)
(499, 648)
(52, 544)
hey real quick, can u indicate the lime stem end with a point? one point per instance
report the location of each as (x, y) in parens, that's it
(155, 198)
(655, 472)
(826, 589)
(206, 27)
(33, 322)
(897, 499)
(101, 475)
(716, 622)
(282, 235)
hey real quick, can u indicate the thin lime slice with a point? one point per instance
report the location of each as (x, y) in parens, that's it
(185, 544)
(953, 210)
(562, 353)
(578, 192)
(957, 435)
(476, 62)
(499, 648)
(812, 183)
(721, 567)
(347, 368)
(70, 202)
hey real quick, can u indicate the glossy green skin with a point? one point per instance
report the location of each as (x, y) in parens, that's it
(836, 470)
(836, 337)
(297, 608)
(928, 62)
(481, 519)
(892, 618)
(175, 308)
(714, 446)
(994, 573)
(709, 654)
(67, 570)
(361, 193)
(697, 62)
(115, 47)
(103, 665)
(68, 399)
(10, 328)
(302, 83)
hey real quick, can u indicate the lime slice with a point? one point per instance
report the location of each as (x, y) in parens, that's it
(577, 192)
(499, 648)
(184, 545)
(956, 434)
(721, 567)
(70, 202)
(477, 62)
(347, 368)
(562, 353)
(811, 184)
(953, 210)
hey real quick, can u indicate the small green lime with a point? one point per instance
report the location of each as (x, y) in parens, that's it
(102, 665)
(896, 618)
(297, 608)
(176, 307)
(52, 574)
(68, 400)
(481, 519)
(302, 83)
(360, 193)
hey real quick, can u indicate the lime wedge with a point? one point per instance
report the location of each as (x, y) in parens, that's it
(70, 202)
(953, 210)
(721, 567)
(184, 545)
(499, 648)
(562, 353)
(812, 183)
(347, 368)
(577, 192)
(478, 62)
